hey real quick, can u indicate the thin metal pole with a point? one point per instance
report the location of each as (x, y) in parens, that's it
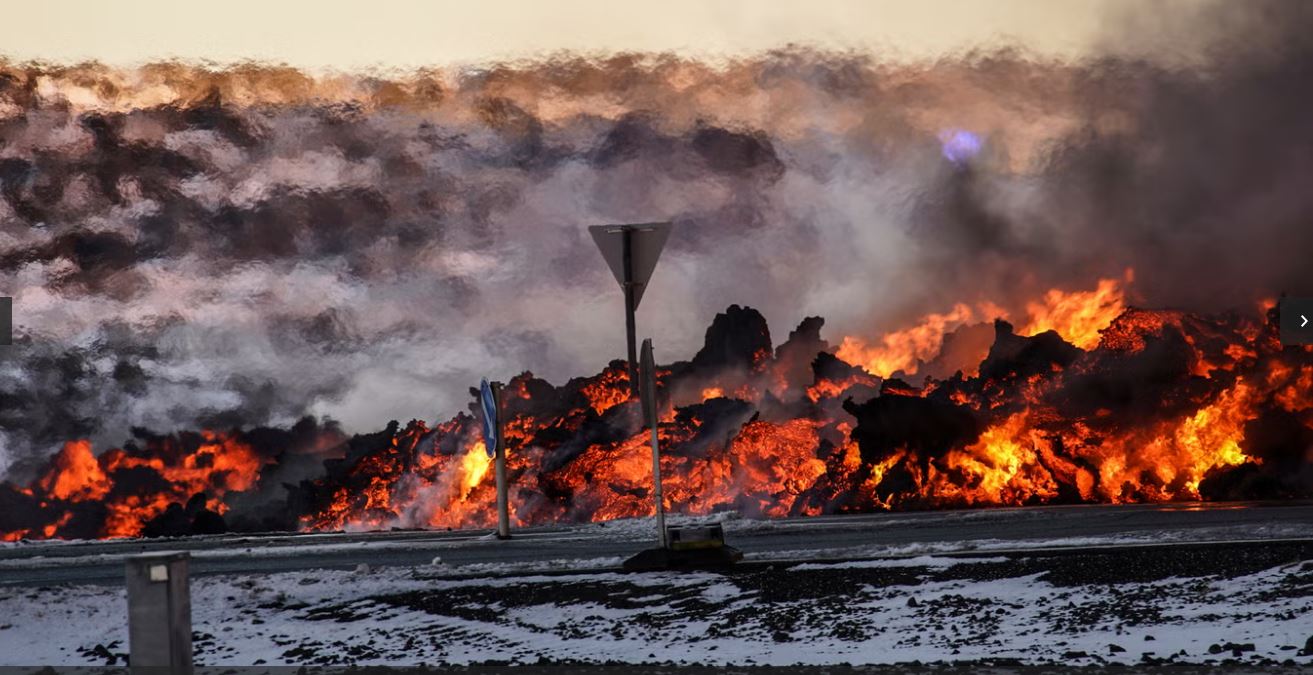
(650, 410)
(656, 485)
(503, 501)
(627, 235)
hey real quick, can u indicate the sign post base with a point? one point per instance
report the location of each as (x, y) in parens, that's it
(689, 547)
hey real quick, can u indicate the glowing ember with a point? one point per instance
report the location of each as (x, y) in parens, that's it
(609, 390)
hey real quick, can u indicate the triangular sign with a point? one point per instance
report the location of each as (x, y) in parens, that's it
(646, 241)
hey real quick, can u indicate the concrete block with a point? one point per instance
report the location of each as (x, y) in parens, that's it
(159, 613)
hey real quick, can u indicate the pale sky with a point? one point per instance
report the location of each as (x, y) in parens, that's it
(337, 34)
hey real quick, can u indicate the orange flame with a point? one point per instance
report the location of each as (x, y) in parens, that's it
(1078, 316)
(75, 474)
(905, 349)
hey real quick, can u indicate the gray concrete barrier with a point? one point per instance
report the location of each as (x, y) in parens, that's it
(159, 613)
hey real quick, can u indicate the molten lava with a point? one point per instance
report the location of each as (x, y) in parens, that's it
(1092, 401)
(123, 490)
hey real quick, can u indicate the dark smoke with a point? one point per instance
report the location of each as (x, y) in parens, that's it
(192, 247)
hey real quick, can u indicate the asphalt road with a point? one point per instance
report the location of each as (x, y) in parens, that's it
(869, 535)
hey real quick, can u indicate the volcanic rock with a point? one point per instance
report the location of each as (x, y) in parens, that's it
(717, 422)
(17, 509)
(1237, 649)
(1238, 483)
(861, 386)
(174, 522)
(734, 341)
(179, 521)
(794, 358)
(1013, 356)
(929, 427)
(827, 366)
(1155, 380)
(208, 522)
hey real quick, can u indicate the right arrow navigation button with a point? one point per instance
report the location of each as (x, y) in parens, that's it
(1295, 326)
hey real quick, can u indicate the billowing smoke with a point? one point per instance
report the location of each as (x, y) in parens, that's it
(191, 247)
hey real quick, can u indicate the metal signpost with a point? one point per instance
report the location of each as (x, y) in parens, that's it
(677, 547)
(495, 444)
(648, 377)
(631, 251)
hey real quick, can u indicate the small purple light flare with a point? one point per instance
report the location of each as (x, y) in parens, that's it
(959, 145)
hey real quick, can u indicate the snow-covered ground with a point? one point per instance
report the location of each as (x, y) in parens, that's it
(1194, 605)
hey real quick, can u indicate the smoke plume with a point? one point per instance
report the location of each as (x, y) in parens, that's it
(192, 246)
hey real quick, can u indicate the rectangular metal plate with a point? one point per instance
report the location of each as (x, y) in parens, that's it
(695, 537)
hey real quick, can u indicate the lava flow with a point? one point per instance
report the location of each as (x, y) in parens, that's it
(1092, 401)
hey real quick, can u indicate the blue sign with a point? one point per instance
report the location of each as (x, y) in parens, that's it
(488, 399)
